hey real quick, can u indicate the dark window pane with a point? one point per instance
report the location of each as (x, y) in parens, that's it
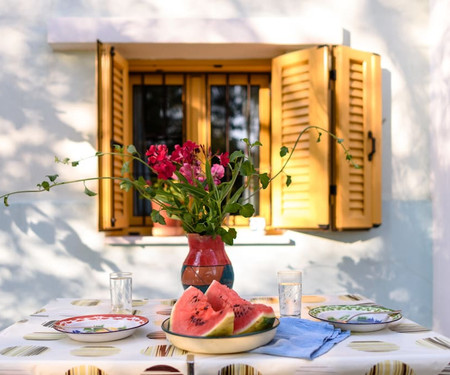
(157, 119)
(218, 119)
(234, 116)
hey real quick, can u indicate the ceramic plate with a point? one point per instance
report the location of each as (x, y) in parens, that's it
(98, 328)
(220, 345)
(363, 323)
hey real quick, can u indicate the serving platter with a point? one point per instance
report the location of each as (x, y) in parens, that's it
(220, 345)
(100, 328)
(367, 322)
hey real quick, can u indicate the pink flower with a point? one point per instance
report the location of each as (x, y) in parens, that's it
(192, 172)
(217, 171)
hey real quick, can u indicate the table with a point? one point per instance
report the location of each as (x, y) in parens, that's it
(32, 346)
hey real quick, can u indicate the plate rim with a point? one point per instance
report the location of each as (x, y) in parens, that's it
(167, 330)
(396, 317)
(58, 328)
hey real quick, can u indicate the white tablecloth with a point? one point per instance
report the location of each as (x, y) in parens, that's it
(32, 346)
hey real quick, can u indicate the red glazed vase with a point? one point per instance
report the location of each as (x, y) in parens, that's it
(205, 262)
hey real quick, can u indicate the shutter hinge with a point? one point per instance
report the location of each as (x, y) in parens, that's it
(333, 74)
(113, 221)
(333, 189)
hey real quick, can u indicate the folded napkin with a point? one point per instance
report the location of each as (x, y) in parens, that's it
(301, 338)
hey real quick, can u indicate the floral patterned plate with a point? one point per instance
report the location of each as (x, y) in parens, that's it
(334, 314)
(223, 344)
(99, 328)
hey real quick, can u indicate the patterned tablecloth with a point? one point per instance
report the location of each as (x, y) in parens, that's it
(32, 346)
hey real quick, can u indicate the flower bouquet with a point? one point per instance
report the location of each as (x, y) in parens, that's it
(200, 189)
(194, 185)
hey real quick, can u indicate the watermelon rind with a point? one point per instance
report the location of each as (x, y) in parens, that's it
(258, 323)
(249, 317)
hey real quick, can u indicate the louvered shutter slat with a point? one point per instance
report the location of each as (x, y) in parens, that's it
(112, 108)
(356, 116)
(299, 99)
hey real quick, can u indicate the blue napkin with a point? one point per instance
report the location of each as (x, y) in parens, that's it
(301, 338)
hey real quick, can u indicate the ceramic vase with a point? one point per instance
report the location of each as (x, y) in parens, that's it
(206, 261)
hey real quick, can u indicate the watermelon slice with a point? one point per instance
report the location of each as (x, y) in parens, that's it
(248, 317)
(193, 315)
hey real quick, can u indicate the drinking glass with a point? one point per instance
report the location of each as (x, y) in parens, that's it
(290, 292)
(120, 284)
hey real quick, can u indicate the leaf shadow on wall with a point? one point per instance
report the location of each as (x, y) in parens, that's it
(44, 252)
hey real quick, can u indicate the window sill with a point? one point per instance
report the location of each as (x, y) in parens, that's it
(245, 237)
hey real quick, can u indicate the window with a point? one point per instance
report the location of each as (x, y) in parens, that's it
(217, 103)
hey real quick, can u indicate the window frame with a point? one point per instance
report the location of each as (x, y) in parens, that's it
(193, 95)
(338, 105)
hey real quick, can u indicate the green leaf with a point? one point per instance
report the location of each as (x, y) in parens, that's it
(157, 217)
(318, 137)
(200, 227)
(247, 210)
(118, 148)
(340, 140)
(126, 185)
(125, 168)
(63, 161)
(232, 208)
(75, 163)
(236, 155)
(257, 143)
(264, 179)
(131, 149)
(52, 177)
(5, 201)
(44, 185)
(288, 180)
(89, 192)
(247, 168)
(228, 236)
(187, 218)
(284, 151)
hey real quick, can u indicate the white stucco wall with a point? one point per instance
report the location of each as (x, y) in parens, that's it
(49, 245)
(440, 159)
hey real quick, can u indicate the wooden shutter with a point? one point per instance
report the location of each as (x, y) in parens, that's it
(358, 122)
(300, 98)
(112, 88)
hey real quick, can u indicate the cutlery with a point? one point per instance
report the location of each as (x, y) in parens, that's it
(390, 312)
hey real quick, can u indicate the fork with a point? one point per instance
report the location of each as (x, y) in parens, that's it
(390, 312)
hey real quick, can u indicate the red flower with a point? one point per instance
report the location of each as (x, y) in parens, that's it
(158, 159)
(186, 153)
(165, 169)
(224, 159)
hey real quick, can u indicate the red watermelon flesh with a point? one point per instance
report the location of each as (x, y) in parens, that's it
(193, 315)
(248, 317)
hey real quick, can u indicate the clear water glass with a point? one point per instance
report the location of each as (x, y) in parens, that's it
(290, 293)
(121, 292)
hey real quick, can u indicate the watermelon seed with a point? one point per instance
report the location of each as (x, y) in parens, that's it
(197, 321)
